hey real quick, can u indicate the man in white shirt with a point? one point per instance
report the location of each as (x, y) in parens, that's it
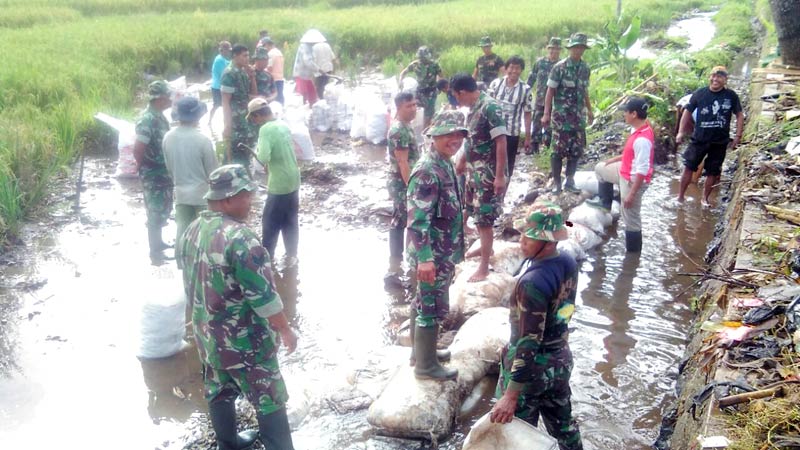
(633, 171)
(324, 59)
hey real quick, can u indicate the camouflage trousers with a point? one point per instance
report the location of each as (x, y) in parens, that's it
(538, 134)
(548, 396)
(241, 155)
(433, 299)
(157, 201)
(569, 144)
(261, 385)
(427, 99)
(482, 204)
(397, 192)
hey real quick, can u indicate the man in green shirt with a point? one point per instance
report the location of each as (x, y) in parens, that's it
(276, 152)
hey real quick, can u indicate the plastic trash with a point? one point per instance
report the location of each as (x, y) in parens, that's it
(517, 434)
(163, 319)
(594, 218)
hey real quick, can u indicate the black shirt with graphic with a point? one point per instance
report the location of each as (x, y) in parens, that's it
(712, 113)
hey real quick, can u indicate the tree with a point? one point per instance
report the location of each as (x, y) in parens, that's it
(787, 25)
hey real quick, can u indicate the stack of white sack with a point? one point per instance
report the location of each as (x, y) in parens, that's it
(295, 118)
(377, 122)
(321, 117)
(360, 102)
(586, 180)
(584, 237)
(162, 322)
(341, 112)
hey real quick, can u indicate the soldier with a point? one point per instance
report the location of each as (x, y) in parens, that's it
(537, 363)
(427, 72)
(488, 66)
(538, 78)
(156, 183)
(567, 96)
(403, 154)
(435, 240)
(485, 162)
(235, 314)
(265, 86)
(237, 85)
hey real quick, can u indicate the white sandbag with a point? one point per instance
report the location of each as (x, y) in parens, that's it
(126, 137)
(303, 146)
(358, 126)
(413, 408)
(467, 299)
(517, 434)
(162, 322)
(506, 256)
(586, 180)
(409, 85)
(277, 109)
(377, 123)
(321, 119)
(572, 248)
(594, 218)
(584, 237)
(616, 210)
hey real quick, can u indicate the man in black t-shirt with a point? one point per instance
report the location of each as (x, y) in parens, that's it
(708, 118)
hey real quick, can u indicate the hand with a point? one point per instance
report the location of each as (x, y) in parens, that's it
(503, 410)
(607, 162)
(679, 138)
(461, 165)
(527, 144)
(289, 339)
(226, 133)
(499, 185)
(628, 202)
(426, 272)
(545, 120)
(249, 70)
(736, 141)
(590, 116)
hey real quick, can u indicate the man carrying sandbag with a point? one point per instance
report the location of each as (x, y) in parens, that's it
(228, 280)
(536, 365)
(632, 170)
(435, 237)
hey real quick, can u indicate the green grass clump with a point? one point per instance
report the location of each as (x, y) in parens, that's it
(734, 33)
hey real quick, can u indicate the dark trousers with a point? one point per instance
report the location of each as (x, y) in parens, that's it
(512, 142)
(279, 88)
(320, 82)
(280, 216)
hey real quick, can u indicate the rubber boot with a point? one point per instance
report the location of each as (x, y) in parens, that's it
(555, 170)
(274, 430)
(396, 242)
(605, 191)
(535, 148)
(428, 367)
(572, 167)
(223, 419)
(441, 355)
(157, 246)
(633, 241)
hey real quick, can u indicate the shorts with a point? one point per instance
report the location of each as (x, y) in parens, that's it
(482, 204)
(216, 97)
(713, 152)
(568, 144)
(262, 385)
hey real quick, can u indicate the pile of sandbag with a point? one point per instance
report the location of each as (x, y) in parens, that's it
(295, 118)
(321, 117)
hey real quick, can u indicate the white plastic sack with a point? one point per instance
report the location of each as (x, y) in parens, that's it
(303, 146)
(321, 119)
(277, 109)
(358, 127)
(584, 237)
(594, 218)
(377, 124)
(572, 248)
(126, 137)
(409, 85)
(615, 209)
(178, 88)
(517, 434)
(162, 320)
(586, 180)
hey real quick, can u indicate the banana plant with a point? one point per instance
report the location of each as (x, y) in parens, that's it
(612, 47)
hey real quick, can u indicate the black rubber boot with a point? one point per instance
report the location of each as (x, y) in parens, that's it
(633, 241)
(274, 430)
(428, 367)
(605, 191)
(441, 355)
(223, 418)
(396, 242)
(572, 167)
(555, 170)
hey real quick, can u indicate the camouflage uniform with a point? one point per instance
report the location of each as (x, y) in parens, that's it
(228, 279)
(435, 226)
(485, 122)
(426, 70)
(401, 136)
(236, 82)
(156, 183)
(570, 79)
(538, 77)
(265, 86)
(488, 67)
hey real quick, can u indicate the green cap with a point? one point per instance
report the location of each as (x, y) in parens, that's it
(446, 122)
(158, 89)
(261, 53)
(544, 223)
(227, 181)
(424, 53)
(485, 41)
(578, 39)
(554, 42)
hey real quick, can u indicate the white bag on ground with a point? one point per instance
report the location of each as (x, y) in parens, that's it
(126, 137)
(409, 85)
(321, 118)
(163, 319)
(584, 237)
(517, 434)
(303, 146)
(358, 126)
(594, 218)
(586, 180)
(377, 124)
(572, 248)
(277, 109)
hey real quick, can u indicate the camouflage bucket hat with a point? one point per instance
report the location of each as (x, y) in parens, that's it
(261, 53)
(158, 89)
(227, 181)
(424, 53)
(544, 223)
(554, 42)
(447, 122)
(485, 41)
(578, 39)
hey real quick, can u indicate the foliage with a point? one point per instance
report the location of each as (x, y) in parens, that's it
(734, 33)
(611, 48)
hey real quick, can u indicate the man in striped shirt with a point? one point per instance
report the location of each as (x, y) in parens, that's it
(514, 99)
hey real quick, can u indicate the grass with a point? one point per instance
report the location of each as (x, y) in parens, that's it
(734, 33)
(66, 59)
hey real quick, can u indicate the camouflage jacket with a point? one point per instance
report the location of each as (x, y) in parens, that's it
(228, 281)
(264, 83)
(426, 73)
(435, 220)
(236, 82)
(150, 130)
(488, 67)
(485, 123)
(401, 135)
(541, 307)
(540, 72)
(570, 79)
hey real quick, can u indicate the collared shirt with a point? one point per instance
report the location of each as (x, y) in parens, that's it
(401, 137)
(514, 101)
(570, 79)
(485, 123)
(276, 151)
(190, 159)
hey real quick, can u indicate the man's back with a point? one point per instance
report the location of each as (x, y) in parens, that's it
(276, 150)
(190, 159)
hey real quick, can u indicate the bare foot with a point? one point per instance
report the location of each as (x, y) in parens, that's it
(479, 275)
(681, 199)
(475, 253)
(705, 203)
